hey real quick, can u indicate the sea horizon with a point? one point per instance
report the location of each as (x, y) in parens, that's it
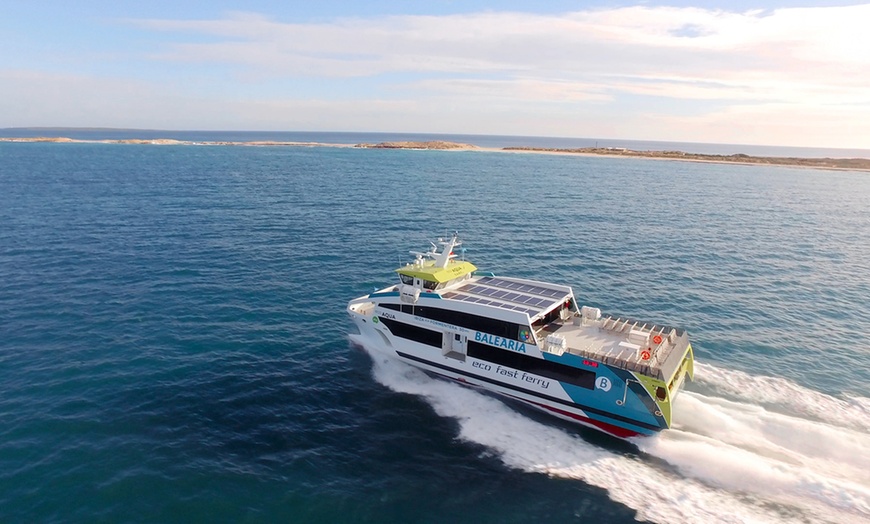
(480, 140)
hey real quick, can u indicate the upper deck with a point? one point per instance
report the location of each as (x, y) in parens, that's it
(650, 349)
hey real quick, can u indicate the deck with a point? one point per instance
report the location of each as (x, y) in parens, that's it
(621, 343)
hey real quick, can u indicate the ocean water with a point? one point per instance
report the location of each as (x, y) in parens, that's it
(175, 348)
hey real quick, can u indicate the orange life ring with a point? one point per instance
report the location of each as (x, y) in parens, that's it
(657, 339)
(645, 354)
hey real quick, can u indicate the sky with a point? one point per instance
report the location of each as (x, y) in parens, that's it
(741, 72)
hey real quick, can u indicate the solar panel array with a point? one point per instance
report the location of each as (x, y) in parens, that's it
(507, 294)
(525, 288)
(496, 303)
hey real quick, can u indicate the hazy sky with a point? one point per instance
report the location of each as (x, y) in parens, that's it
(748, 72)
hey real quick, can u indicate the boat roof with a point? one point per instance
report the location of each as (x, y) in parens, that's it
(428, 270)
(436, 266)
(534, 298)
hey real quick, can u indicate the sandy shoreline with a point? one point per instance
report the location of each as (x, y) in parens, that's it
(839, 164)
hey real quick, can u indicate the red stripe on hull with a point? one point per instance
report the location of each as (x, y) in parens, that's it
(616, 431)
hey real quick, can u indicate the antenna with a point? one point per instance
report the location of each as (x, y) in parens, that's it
(447, 254)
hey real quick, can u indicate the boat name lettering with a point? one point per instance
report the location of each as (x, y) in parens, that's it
(525, 377)
(440, 324)
(388, 315)
(536, 380)
(506, 343)
(482, 365)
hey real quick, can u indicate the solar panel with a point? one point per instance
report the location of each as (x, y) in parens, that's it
(522, 287)
(484, 301)
(508, 294)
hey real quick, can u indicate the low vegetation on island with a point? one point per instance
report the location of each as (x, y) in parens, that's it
(739, 158)
(431, 144)
(853, 164)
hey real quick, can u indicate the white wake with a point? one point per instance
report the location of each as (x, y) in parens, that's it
(725, 460)
(852, 412)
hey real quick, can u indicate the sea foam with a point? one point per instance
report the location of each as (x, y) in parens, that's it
(783, 394)
(724, 461)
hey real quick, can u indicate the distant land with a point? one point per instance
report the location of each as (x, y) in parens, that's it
(853, 164)
(857, 164)
(429, 144)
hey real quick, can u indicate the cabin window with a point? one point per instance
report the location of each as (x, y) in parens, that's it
(499, 328)
(661, 394)
(576, 376)
(404, 308)
(415, 333)
(407, 280)
(428, 284)
(553, 315)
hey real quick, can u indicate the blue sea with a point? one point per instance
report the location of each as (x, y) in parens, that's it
(174, 345)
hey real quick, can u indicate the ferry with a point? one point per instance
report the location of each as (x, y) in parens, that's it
(527, 340)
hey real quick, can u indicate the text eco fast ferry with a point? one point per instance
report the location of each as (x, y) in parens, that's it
(529, 341)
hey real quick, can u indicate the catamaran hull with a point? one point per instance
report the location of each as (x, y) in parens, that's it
(561, 406)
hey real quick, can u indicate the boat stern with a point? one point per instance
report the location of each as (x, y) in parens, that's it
(663, 392)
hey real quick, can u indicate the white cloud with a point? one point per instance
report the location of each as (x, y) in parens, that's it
(659, 72)
(46, 99)
(516, 89)
(829, 126)
(522, 40)
(772, 55)
(63, 100)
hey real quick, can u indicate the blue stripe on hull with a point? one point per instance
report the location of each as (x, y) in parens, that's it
(594, 413)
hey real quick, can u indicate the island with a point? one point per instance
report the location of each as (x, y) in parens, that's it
(431, 144)
(860, 164)
(850, 164)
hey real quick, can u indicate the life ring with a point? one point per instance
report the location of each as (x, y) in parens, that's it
(645, 354)
(657, 339)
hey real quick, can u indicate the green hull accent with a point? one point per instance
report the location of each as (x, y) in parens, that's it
(655, 386)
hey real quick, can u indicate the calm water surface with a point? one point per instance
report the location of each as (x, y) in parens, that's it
(175, 345)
